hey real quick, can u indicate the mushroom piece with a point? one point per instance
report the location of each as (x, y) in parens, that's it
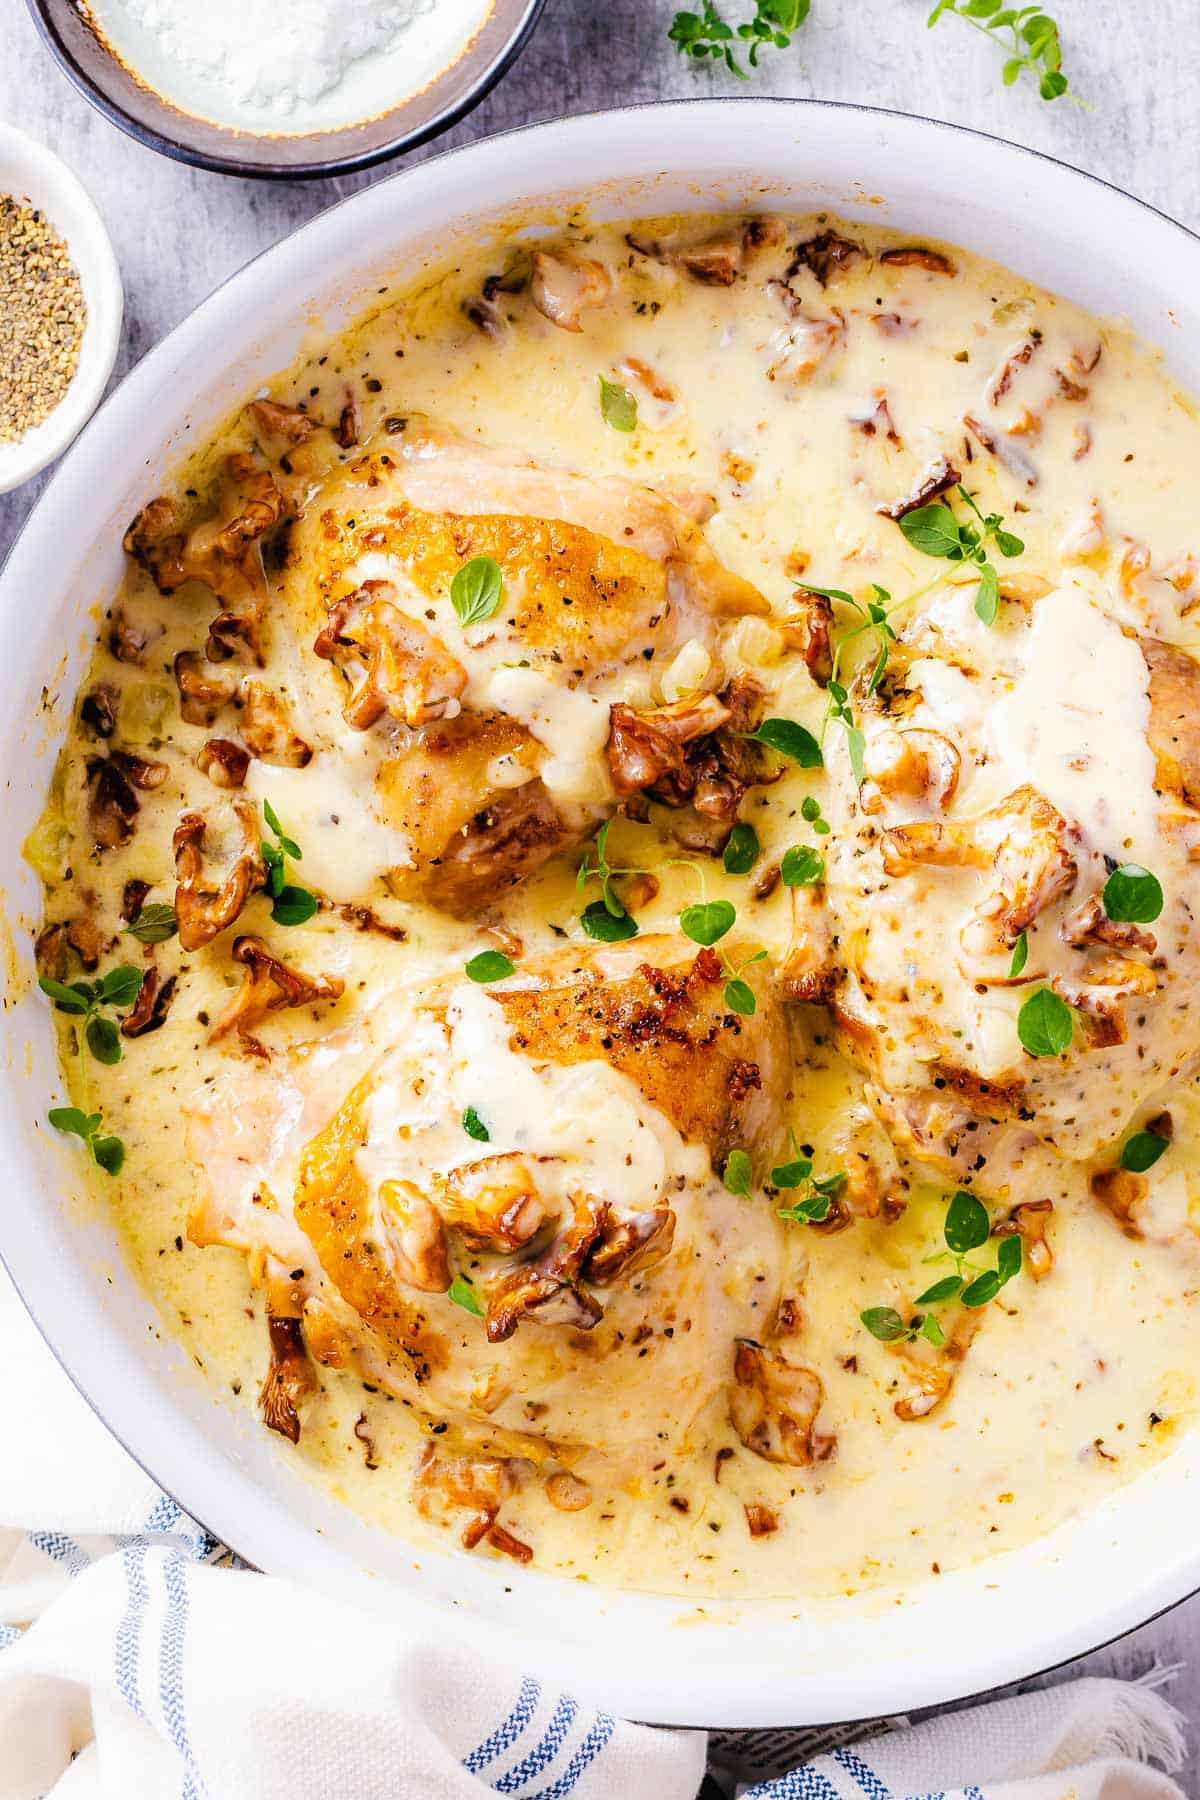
(406, 671)
(548, 1285)
(876, 420)
(150, 1009)
(416, 1238)
(81, 934)
(1024, 840)
(1090, 924)
(1100, 991)
(695, 751)
(808, 630)
(112, 803)
(918, 256)
(717, 260)
(826, 254)
(808, 971)
(1002, 380)
(937, 479)
(1028, 1221)
(1174, 731)
(773, 1407)
(1123, 1192)
(803, 346)
(935, 1369)
(761, 1520)
(563, 290)
(476, 1484)
(915, 764)
(631, 1244)
(289, 1378)
(202, 692)
(494, 1201)
(221, 550)
(645, 748)
(98, 710)
(268, 731)
(224, 762)
(1000, 445)
(204, 910)
(267, 985)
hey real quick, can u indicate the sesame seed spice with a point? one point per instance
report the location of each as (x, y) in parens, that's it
(42, 318)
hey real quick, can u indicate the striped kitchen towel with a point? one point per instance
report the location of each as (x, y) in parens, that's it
(139, 1662)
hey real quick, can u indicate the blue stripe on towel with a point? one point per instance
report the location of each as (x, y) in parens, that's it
(603, 1726)
(804, 1783)
(866, 1778)
(127, 1644)
(62, 1549)
(506, 1735)
(544, 1753)
(171, 1647)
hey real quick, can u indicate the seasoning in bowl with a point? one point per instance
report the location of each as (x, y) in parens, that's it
(287, 66)
(42, 318)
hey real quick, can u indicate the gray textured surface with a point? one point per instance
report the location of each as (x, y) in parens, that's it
(179, 231)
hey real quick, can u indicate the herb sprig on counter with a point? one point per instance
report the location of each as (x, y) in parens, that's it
(967, 1228)
(1029, 35)
(290, 905)
(88, 1003)
(708, 34)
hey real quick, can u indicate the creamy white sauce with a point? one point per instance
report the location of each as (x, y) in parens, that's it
(1104, 1348)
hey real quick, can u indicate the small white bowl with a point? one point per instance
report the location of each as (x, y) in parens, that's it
(39, 178)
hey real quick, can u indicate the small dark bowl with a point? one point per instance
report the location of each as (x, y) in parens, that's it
(115, 90)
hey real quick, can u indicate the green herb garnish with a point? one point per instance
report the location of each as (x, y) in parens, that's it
(738, 1175)
(936, 531)
(606, 927)
(811, 1207)
(477, 590)
(489, 965)
(802, 866)
(707, 922)
(108, 1153)
(790, 740)
(474, 1126)
(617, 405)
(1045, 1024)
(1142, 1151)
(97, 1033)
(153, 925)
(289, 905)
(967, 1227)
(707, 34)
(463, 1294)
(1032, 43)
(741, 850)
(1132, 895)
(1020, 955)
(810, 812)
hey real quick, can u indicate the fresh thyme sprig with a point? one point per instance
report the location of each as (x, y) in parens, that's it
(936, 531)
(289, 905)
(816, 1192)
(96, 1032)
(1032, 41)
(707, 34)
(967, 1227)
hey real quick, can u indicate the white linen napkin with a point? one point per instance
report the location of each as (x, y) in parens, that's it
(133, 1666)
